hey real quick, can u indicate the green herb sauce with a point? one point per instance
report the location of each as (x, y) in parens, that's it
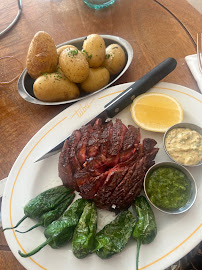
(168, 188)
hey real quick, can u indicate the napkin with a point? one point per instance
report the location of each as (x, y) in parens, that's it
(192, 62)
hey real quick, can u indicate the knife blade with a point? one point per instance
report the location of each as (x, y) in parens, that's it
(124, 99)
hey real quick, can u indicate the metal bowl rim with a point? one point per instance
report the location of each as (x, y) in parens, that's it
(183, 125)
(186, 172)
(125, 44)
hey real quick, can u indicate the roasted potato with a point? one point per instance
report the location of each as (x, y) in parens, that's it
(115, 59)
(59, 70)
(94, 48)
(42, 55)
(55, 87)
(74, 65)
(60, 49)
(98, 78)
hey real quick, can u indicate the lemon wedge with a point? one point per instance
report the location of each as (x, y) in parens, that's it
(156, 111)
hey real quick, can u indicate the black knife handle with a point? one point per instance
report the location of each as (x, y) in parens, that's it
(139, 87)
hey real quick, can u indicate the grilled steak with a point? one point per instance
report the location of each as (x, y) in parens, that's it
(106, 162)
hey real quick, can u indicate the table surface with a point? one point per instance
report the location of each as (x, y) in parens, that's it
(155, 29)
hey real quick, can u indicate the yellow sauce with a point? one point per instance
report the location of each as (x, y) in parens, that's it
(184, 146)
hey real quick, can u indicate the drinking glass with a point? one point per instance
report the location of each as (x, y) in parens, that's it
(98, 4)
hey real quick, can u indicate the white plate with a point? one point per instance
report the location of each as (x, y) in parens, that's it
(177, 234)
(25, 82)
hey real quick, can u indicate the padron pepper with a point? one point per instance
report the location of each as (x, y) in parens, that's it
(44, 202)
(60, 231)
(115, 235)
(48, 217)
(84, 234)
(145, 229)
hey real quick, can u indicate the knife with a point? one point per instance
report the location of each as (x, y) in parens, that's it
(124, 99)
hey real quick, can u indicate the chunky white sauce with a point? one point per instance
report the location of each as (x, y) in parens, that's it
(184, 146)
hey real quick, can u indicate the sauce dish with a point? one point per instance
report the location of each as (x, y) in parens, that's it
(183, 145)
(167, 191)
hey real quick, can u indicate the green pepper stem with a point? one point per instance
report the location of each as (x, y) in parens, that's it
(19, 222)
(33, 227)
(138, 252)
(97, 248)
(34, 251)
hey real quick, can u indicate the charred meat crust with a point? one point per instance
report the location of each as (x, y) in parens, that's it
(106, 162)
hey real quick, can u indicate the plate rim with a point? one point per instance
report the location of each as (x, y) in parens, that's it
(192, 94)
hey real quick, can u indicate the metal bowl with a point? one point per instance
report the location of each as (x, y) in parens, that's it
(182, 125)
(25, 82)
(190, 178)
